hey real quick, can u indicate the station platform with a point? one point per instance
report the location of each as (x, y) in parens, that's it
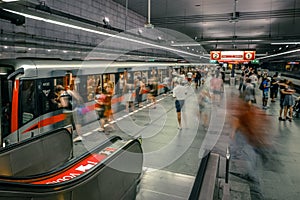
(172, 156)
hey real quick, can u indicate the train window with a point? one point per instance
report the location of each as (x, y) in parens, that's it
(160, 75)
(28, 101)
(121, 81)
(93, 81)
(46, 96)
(145, 76)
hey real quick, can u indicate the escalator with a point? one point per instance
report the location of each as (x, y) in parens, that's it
(111, 170)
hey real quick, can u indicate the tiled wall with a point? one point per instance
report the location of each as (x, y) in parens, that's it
(94, 10)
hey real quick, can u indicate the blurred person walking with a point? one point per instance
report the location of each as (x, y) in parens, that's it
(78, 111)
(100, 107)
(152, 92)
(249, 92)
(179, 92)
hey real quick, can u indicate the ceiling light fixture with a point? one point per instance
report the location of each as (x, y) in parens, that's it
(140, 31)
(44, 19)
(279, 54)
(105, 20)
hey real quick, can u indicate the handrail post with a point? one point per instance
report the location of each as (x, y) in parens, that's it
(227, 165)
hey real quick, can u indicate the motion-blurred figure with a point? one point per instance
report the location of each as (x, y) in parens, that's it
(205, 103)
(249, 121)
(179, 92)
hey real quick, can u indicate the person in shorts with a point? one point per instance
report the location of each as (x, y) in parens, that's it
(100, 107)
(179, 92)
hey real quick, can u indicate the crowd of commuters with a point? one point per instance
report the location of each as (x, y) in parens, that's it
(270, 86)
(207, 82)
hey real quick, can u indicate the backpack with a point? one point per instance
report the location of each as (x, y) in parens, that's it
(261, 86)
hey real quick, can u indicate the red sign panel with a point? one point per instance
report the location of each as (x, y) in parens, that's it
(232, 56)
(78, 169)
(249, 55)
(215, 55)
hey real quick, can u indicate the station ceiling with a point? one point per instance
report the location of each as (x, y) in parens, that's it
(271, 27)
(268, 26)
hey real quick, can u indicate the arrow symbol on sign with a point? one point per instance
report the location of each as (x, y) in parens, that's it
(85, 168)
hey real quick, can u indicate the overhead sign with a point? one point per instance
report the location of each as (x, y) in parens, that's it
(213, 61)
(229, 56)
(255, 61)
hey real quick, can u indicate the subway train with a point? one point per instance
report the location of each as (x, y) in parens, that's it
(28, 87)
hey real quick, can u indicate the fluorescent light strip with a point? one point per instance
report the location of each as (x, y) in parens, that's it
(284, 43)
(101, 33)
(185, 44)
(279, 54)
(236, 41)
(9, 0)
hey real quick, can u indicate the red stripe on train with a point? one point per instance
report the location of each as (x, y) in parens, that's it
(14, 107)
(46, 122)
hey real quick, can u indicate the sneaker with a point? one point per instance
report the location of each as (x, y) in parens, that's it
(78, 139)
(179, 127)
(280, 118)
(101, 130)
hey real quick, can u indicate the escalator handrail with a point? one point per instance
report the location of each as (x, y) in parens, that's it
(199, 177)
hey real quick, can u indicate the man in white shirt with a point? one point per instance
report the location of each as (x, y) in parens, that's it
(179, 92)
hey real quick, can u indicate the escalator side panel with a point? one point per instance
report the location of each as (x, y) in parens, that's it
(122, 173)
(105, 181)
(64, 151)
(38, 155)
(5, 166)
(118, 179)
(28, 159)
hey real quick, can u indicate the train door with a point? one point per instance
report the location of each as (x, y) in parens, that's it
(48, 109)
(5, 114)
(28, 110)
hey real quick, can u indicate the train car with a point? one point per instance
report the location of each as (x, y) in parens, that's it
(28, 88)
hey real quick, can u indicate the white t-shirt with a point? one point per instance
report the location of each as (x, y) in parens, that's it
(179, 92)
(189, 74)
